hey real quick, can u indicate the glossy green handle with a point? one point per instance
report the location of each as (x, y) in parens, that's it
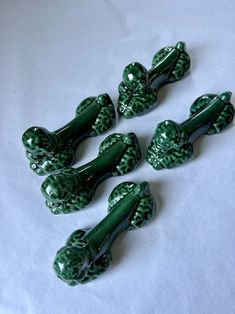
(73, 189)
(172, 143)
(87, 254)
(49, 152)
(139, 87)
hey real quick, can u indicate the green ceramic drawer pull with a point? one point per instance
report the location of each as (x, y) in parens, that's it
(87, 254)
(49, 152)
(138, 90)
(73, 189)
(172, 143)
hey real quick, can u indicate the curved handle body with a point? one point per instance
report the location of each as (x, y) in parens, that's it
(172, 143)
(49, 152)
(87, 254)
(73, 189)
(139, 87)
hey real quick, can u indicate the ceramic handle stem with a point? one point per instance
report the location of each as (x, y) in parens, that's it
(101, 167)
(161, 69)
(79, 127)
(113, 224)
(199, 123)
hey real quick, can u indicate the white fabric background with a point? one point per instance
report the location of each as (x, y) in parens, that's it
(54, 54)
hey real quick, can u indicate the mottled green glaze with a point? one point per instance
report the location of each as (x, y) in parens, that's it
(87, 254)
(49, 152)
(172, 143)
(138, 90)
(73, 189)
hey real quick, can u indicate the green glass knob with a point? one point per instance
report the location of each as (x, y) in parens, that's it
(73, 189)
(139, 87)
(49, 152)
(172, 143)
(87, 254)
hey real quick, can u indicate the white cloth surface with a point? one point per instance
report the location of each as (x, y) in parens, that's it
(54, 54)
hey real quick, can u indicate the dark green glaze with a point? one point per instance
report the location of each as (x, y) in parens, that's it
(172, 143)
(88, 254)
(73, 189)
(138, 90)
(49, 152)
